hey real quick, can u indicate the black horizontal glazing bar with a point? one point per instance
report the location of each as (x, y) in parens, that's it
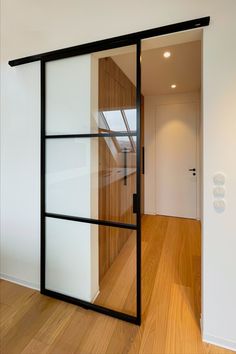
(114, 42)
(91, 135)
(90, 306)
(92, 221)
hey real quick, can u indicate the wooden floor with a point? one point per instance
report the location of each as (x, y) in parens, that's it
(33, 323)
(118, 286)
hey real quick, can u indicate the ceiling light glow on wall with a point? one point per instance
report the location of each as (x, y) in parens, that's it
(167, 54)
(173, 86)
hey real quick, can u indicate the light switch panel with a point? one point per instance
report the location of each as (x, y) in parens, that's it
(219, 205)
(219, 192)
(219, 179)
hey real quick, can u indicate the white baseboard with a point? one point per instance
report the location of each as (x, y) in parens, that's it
(95, 296)
(18, 281)
(148, 212)
(220, 342)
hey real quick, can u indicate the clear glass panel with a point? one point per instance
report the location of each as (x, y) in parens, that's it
(131, 118)
(79, 88)
(92, 263)
(90, 177)
(117, 269)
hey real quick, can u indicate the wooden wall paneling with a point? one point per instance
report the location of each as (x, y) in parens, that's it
(115, 199)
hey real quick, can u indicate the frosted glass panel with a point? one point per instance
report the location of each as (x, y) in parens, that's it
(86, 178)
(69, 107)
(68, 176)
(71, 252)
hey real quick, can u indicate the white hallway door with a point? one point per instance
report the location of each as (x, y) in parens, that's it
(176, 155)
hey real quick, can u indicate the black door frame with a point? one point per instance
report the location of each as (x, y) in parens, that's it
(137, 226)
(116, 42)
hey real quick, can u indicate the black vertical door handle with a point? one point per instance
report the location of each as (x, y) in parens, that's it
(135, 206)
(143, 160)
(125, 167)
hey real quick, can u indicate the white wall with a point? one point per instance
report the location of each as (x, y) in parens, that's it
(151, 104)
(20, 173)
(29, 27)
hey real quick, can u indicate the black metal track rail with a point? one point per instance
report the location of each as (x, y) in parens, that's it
(114, 42)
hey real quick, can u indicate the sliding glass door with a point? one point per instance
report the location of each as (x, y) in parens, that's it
(91, 238)
(90, 171)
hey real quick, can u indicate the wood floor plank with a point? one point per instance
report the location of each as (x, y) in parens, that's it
(35, 347)
(29, 324)
(55, 324)
(183, 336)
(16, 312)
(77, 330)
(12, 294)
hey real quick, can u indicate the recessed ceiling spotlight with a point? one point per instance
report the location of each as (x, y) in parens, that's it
(166, 54)
(173, 86)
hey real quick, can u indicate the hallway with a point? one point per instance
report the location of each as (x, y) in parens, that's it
(171, 252)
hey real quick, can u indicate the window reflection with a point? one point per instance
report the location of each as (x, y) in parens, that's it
(131, 118)
(123, 121)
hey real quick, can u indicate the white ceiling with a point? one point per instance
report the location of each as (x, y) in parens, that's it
(183, 68)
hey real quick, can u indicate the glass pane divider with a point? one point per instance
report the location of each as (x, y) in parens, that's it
(92, 221)
(91, 135)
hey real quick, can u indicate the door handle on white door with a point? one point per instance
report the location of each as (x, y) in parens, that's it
(193, 170)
